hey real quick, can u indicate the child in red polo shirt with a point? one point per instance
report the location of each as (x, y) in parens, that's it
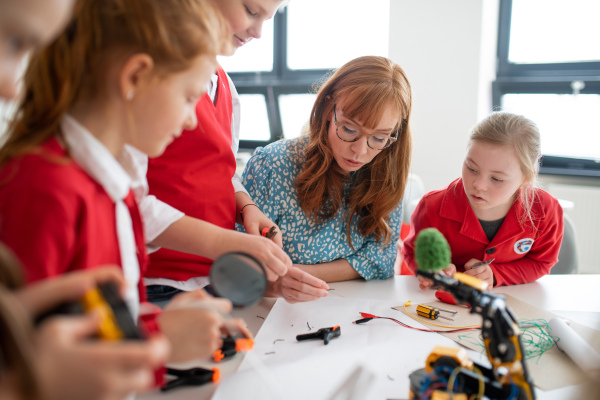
(494, 211)
(124, 73)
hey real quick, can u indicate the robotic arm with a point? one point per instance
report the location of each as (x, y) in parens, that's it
(501, 337)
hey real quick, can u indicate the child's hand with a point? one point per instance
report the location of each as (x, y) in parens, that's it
(71, 366)
(193, 322)
(425, 283)
(46, 294)
(270, 255)
(255, 221)
(298, 286)
(484, 273)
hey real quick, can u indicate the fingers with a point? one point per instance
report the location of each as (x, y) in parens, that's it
(129, 365)
(47, 294)
(307, 278)
(235, 325)
(200, 299)
(254, 219)
(484, 273)
(298, 286)
(188, 297)
(469, 264)
(192, 332)
(135, 354)
(278, 238)
(450, 270)
(71, 329)
(277, 261)
(424, 283)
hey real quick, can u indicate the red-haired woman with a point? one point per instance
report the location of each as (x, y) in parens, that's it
(336, 192)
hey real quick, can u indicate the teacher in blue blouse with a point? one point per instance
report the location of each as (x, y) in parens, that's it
(336, 192)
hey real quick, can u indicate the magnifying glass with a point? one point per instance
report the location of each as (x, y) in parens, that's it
(238, 277)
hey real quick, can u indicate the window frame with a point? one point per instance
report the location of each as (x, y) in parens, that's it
(281, 80)
(548, 78)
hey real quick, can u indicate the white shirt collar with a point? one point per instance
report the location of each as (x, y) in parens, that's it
(95, 159)
(103, 168)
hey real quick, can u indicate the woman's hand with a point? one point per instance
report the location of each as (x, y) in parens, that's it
(298, 286)
(425, 283)
(71, 366)
(484, 272)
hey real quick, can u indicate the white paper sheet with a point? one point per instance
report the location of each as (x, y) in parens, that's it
(280, 367)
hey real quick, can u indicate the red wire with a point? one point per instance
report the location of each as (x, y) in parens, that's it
(367, 315)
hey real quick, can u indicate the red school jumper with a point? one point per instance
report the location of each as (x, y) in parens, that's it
(522, 253)
(57, 219)
(194, 175)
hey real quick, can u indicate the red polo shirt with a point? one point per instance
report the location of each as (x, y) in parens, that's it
(522, 252)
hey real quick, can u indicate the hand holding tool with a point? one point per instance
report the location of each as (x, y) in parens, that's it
(232, 346)
(430, 312)
(483, 263)
(116, 322)
(325, 334)
(191, 377)
(269, 233)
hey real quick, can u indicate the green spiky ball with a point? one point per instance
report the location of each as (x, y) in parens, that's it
(432, 251)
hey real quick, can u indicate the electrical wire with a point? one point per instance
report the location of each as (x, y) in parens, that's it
(367, 317)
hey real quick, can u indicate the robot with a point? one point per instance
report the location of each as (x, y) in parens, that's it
(450, 370)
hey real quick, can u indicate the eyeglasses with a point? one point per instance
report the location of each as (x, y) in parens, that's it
(349, 133)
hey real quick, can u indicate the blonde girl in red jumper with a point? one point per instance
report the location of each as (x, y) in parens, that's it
(495, 211)
(123, 73)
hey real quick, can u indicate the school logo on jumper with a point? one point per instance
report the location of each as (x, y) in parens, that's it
(523, 246)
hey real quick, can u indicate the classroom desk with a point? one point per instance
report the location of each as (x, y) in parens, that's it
(571, 296)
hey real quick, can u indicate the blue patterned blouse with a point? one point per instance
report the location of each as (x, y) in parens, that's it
(270, 177)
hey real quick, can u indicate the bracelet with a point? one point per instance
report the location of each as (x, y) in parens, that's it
(249, 204)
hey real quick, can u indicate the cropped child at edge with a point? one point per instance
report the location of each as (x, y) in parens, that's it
(94, 370)
(109, 80)
(494, 211)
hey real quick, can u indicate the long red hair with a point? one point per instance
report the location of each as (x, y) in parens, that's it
(368, 85)
(100, 34)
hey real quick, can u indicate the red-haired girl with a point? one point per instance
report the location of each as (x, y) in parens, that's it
(123, 73)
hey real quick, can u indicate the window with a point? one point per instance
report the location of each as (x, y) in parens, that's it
(549, 71)
(276, 75)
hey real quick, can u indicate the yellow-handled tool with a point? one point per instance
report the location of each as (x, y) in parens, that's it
(430, 312)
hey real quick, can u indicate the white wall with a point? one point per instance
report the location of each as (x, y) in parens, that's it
(447, 49)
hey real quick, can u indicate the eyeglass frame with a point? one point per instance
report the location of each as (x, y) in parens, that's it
(392, 139)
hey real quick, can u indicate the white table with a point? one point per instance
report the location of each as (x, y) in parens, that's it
(575, 297)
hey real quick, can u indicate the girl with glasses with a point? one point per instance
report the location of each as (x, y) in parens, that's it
(336, 192)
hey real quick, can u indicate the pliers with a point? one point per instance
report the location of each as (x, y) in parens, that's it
(269, 233)
(325, 334)
(191, 377)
